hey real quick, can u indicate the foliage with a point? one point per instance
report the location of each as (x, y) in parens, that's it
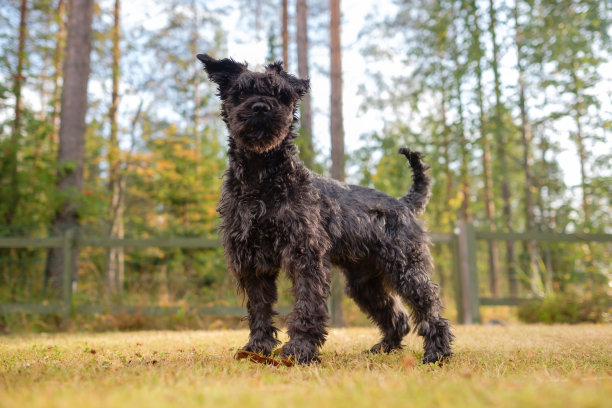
(567, 307)
(444, 98)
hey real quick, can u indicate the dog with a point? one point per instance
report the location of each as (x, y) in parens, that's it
(276, 215)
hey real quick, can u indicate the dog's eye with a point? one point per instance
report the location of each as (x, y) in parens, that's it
(242, 95)
(285, 96)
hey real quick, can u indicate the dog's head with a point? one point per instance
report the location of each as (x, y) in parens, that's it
(259, 108)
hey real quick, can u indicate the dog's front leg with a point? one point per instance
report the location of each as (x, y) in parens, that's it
(261, 291)
(307, 322)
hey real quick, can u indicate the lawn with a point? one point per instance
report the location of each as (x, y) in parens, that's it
(494, 366)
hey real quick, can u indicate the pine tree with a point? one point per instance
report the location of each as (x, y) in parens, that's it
(115, 257)
(336, 130)
(501, 137)
(305, 140)
(72, 129)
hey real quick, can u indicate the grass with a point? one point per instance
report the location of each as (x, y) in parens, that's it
(518, 365)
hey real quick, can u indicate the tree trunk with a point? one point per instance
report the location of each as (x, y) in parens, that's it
(489, 204)
(545, 220)
(197, 117)
(13, 170)
(19, 78)
(58, 58)
(47, 57)
(72, 130)
(532, 250)
(446, 147)
(464, 188)
(114, 262)
(306, 145)
(285, 34)
(500, 133)
(494, 278)
(336, 132)
(582, 154)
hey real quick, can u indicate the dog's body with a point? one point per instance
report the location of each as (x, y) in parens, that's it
(276, 214)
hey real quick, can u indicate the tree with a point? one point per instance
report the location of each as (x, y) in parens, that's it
(576, 51)
(336, 131)
(58, 58)
(28, 153)
(459, 71)
(115, 256)
(526, 137)
(13, 196)
(285, 34)
(72, 130)
(176, 180)
(476, 55)
(501, 137)
(305, 140)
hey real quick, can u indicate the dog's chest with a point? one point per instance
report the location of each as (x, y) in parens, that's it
(260, 219)
(255, 226)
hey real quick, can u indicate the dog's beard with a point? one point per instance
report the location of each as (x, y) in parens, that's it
(259, 133)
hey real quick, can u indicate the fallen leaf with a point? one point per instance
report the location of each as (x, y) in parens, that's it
(258, 358)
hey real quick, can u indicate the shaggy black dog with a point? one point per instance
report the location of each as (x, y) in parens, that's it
(276, 214)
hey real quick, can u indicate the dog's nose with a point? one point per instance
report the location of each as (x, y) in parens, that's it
(260, 107)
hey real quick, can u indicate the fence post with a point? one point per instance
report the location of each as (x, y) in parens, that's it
(468, 276)
(456, 259)
(67, 274)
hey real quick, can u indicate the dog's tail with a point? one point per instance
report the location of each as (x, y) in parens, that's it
(420, 191)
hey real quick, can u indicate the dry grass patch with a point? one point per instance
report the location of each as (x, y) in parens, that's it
(553, 366)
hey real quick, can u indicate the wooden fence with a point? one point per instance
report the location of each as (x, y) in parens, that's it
(463, 248)
(466, 278)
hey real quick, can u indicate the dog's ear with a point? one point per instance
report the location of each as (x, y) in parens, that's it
(276, 66)
(301, 86)
(222, 72)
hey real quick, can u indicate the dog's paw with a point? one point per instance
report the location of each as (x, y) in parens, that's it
(439, 358)
(385, 346)
(300, 353)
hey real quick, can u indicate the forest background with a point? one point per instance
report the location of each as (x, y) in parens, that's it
(509, 101)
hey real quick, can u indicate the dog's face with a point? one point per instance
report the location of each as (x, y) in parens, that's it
(258, 108)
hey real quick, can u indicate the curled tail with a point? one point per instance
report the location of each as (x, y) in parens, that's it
(418, 195)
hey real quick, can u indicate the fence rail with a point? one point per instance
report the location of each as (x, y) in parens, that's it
(466, 282)
(462, 243)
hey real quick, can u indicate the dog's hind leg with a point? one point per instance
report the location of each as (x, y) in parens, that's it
(262, 293)
(422, 295)
(384, 309)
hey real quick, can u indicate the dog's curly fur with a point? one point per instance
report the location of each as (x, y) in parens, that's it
(276, 214)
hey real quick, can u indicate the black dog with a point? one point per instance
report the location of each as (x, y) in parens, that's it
(276, 214)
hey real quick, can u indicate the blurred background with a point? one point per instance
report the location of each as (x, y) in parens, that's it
(110, 130)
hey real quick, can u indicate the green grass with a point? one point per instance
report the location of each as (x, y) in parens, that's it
(494, 366)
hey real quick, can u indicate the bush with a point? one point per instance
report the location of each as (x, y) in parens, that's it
(569, 308)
